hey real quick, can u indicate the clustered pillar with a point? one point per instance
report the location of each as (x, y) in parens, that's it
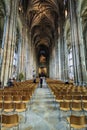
(8, 41)
(77, 46)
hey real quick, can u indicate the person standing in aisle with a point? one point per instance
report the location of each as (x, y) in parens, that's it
(41, 82)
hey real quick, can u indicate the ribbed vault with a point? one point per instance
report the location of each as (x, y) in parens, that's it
(43, 17)
(43, 21)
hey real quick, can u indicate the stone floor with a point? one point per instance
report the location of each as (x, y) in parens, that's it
(43, 113)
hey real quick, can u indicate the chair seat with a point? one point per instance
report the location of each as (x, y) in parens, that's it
(9, 125)
(76, 106)
(20, 110)
(8, 110)
(59, 99)
(25, 99)
(65, 109)
(8, 107)
(20, 107)
(78, 126)
(65, 106)
(76, 109)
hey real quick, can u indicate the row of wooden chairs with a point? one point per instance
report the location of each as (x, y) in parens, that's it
(78, 120)
(8, 108)
(72, 100)
(12, 107)
(69, 107)
(66, 90)
(69, 98)
(18, 93)
(15, 101)
(68, 86)
(15, 98)
(55, 93)
(20, 87)
(73, 106)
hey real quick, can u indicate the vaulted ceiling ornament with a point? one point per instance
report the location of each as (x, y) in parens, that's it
(42, 14)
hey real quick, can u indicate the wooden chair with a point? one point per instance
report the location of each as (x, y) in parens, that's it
(8, 107)
(76, 107)
(68, 98)
(77, 122)
(17, 99)
(21, 107)
(9, 121)
(8, 99)
(1, 98)
(84, 106)
(1, 92)
(77, 98)
(7, 92)
(1, 107)
(25, 98)
(64, 108)
(59, 98)
(84, 99)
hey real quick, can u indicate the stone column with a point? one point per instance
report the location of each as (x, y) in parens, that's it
(15, 3)
(31, 60)
(59, 60)
(53, 62)
(4, 75)
(62, 53)
(77, 46)
(30, 57)
(54, 58)
(22, 55)
(25, 50)
(10, 41)
(27, 59)
(19, 55)
(25, 54)
(82, 49)
(50, 63)
(11, 61)
(66, 78)
(34, 59)
(2, 49)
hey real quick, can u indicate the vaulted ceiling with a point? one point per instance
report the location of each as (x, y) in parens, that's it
(43, 17)
(43, 21)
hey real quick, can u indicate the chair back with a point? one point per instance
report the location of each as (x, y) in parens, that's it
(9, 120)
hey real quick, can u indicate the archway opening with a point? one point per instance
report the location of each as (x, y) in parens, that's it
(43, 60)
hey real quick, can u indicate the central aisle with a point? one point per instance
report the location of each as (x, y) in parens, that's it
(43, 114)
